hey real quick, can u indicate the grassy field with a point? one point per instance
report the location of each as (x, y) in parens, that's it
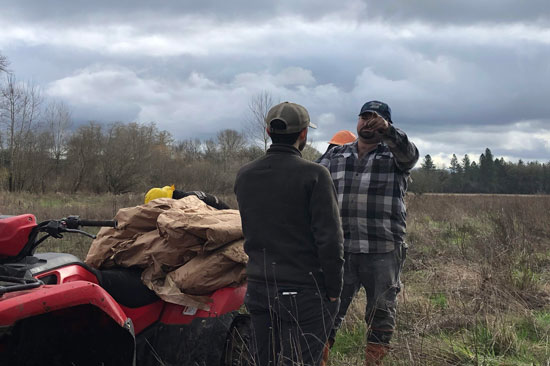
(477, 285)
(476, 281)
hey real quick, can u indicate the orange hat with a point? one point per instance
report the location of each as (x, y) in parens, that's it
(342, 137)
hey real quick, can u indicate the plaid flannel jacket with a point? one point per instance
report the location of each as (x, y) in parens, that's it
(371, 191)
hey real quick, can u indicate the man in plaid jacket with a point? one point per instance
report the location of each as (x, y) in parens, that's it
(370, 176)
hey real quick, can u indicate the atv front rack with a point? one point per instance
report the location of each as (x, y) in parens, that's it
(10, 284)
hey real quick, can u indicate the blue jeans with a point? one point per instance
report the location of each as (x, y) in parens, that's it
(379, 274)
(290, 325)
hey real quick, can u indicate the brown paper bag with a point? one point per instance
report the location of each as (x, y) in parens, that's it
(212, 270)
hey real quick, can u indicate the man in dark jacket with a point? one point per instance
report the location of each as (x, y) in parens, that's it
(293, 238)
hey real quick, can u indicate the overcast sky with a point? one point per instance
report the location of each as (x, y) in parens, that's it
(459, 75)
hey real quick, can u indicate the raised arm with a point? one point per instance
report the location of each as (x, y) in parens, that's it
(404, 151)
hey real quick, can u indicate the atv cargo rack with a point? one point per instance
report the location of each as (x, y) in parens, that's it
(10, 284)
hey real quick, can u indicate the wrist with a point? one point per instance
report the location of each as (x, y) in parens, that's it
(177, 194)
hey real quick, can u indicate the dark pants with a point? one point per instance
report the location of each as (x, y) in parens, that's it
(379, 274)
(290, 325)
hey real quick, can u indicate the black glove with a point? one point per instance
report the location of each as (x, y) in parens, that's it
(209, 199)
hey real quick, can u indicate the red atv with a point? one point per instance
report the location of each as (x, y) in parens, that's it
(56, 310)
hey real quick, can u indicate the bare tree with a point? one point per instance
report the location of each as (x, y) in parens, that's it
(161, 170)
(189, 150)
(211, 150)
(83, 153)
(4, 63)
(19, 109)
(231, 144)
(36, 162)
(58, 123)
(259, 105)
(45, 150)
(129, 153)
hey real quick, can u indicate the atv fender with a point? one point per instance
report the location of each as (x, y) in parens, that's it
(18, 305)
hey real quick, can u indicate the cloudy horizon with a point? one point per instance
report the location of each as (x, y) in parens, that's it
(460, 76)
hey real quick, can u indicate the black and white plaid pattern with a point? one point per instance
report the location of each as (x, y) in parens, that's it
(371, 192)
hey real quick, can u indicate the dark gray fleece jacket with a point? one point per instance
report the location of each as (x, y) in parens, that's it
(291, 221)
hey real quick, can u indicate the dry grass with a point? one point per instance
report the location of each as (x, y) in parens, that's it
(476, 284)
(476, 278)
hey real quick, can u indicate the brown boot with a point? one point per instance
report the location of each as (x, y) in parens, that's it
(374, 353)
(326, 351)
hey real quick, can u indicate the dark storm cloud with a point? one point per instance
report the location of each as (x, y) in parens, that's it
(430, 11)
(251, 11)
(461, 11)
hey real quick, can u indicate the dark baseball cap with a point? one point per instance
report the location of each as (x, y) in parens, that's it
(294, 117)
(381, 108)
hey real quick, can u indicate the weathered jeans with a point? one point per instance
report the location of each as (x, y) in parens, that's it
(379, 274)
(290, 325)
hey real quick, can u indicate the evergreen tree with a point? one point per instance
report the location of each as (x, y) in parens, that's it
(467, 176)
(455, 183)
(500, 175)
(428, 164)
(456, 168)
(486, 171)
(466, 162)
(489, 175)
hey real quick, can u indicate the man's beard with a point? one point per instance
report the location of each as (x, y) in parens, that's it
(370, 137)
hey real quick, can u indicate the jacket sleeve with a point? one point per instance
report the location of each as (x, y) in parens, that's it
(207, 198)
(324, 160)
(404, 151)
(327, 232)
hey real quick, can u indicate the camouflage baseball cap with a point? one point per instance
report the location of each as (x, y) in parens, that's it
(294, 117)
(380, 108)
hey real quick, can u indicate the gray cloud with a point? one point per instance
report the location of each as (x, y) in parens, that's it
(80, 11)
(396, 11)
(459, 78)
(461, 11)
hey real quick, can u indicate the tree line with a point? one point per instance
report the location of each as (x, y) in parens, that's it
(119, 157)
(42, 151)
(487, 175)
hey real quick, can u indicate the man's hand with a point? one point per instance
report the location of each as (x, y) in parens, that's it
(378, 124)
(371, 127)
(333, 299)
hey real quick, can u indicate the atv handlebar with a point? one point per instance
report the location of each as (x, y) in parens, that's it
(73, 222)
(108, 223)
(55, 229)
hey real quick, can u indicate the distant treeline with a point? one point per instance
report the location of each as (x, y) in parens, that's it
(41, 152)
(487, 175)
(121, 157)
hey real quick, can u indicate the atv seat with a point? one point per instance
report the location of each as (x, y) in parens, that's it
(123, 284)
(49, 261)
(126, 287)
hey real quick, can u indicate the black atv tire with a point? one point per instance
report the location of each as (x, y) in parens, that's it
(237, 351)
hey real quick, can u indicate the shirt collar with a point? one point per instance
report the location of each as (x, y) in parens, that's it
(283, 149)
(382, 147)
